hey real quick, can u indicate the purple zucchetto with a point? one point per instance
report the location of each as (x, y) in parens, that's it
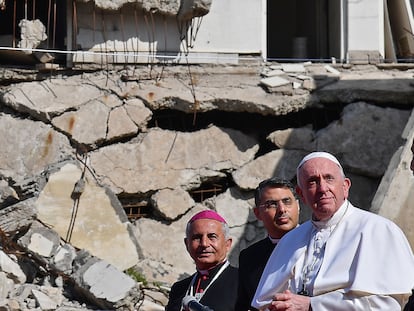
(207, 214)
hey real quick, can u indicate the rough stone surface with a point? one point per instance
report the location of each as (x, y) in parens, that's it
(168, 263)
(90, 222)
(32, 33)
(7, 194)
(378, 138)
(41, 145)
(41, 241)
(77, 124)
(395, 196)
(43, 301)
(273, 163)
(184, 9)
(48, 98)
(163, 159)
(17, 216)
(371, 86)
(11, 268)
(294, 138)
(141, 147)
(107, 282)
(171, 203)
(193, 8)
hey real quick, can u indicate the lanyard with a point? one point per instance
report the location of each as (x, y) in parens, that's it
(198, 296)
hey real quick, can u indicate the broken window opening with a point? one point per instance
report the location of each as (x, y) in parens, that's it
(135, 211)
(135, 208)
(20, 16)
(211, 189)
(255, 125)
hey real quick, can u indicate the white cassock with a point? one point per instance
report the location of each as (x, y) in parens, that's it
(365, 263)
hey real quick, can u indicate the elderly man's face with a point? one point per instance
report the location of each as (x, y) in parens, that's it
(206, 243)
(322, 187)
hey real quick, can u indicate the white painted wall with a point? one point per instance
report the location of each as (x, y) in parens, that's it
(365, 25)
(233, 26)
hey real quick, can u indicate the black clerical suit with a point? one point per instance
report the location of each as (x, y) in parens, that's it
(252, 261)
(221, 295)
(410, 304)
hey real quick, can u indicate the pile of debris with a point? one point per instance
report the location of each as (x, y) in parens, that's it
(39, 271)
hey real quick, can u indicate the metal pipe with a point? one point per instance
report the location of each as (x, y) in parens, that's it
(54, 23)
(75, 26)
(14, 24)
(48, 21)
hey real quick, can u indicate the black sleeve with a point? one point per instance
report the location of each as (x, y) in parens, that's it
(243, 297)
(410, 304)
(176, 297)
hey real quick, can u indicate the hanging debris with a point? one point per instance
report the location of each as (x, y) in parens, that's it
(193, 8)
(183, 9)
(32, 33)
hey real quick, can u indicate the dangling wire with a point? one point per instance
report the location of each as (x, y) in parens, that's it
(151, 37)
(14, 23)
(196, 103)
(123, 39)
(164, 60)
(188, 31)
(137, 38)
(106, 45)
(49, 8)
(77, 191)
(54, 23)
(194, 28)
(75, 25)
(184, 28)
(94, 24)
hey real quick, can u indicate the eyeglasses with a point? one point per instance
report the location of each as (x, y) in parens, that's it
(276, 203)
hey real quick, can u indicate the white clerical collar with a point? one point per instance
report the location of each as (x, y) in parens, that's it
(320, 224)
(274, 241)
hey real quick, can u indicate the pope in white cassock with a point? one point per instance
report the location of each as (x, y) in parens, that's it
(343, 259)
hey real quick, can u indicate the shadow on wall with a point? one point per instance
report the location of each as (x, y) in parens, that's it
(129, 29)
(126, 32)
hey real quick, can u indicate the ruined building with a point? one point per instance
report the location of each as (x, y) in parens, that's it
(121, 119)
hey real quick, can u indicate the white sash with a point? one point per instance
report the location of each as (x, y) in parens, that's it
(198, 296)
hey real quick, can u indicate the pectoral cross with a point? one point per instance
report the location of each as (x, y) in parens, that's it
(304, 291)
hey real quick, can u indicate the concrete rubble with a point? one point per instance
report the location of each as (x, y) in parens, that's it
(32, 33)
(85, 150)
(97, 220)
(40, 271)
(184, 9)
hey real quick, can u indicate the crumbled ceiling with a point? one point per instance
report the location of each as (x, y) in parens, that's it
(184, 9)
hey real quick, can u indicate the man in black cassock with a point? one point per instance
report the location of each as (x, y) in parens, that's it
(278, 208)
(215, 283)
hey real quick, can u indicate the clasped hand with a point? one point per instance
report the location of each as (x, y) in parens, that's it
(289, 302)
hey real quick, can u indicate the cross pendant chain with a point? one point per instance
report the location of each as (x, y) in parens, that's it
(304, 291)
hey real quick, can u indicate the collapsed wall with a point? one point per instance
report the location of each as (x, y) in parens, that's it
(116, 167)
